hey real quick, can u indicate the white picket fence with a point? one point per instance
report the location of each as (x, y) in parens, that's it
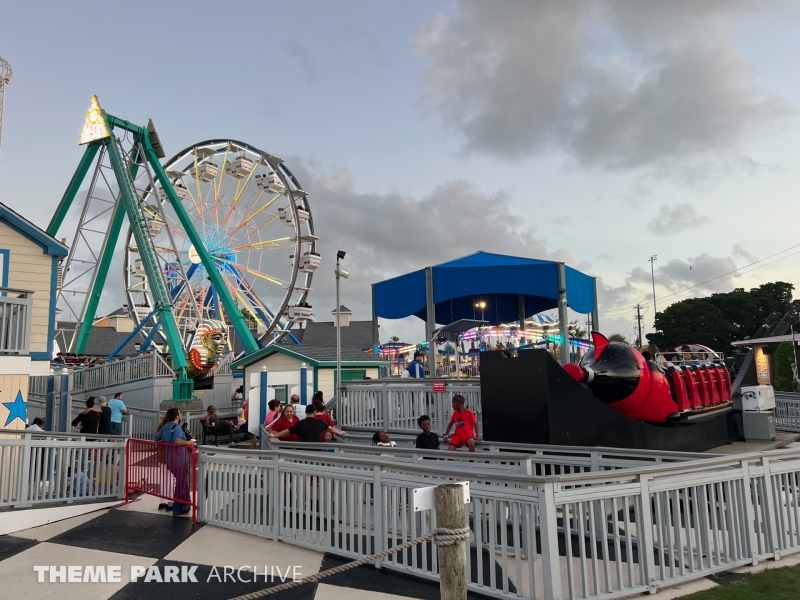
(590, 534)
(43, 468)
(397, 404)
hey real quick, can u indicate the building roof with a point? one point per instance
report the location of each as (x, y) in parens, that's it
(50, 244)
(102, 340)
(122, 311)
(342, 309)
(775, 339)
(358, 334)
(315, 356)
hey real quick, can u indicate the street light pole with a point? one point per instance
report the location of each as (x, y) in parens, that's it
(481, 305)
(652, 260)
(339, 273)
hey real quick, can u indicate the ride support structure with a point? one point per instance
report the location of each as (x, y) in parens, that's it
(98, 135)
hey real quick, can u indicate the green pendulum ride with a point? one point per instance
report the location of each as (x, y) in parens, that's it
(192, 257)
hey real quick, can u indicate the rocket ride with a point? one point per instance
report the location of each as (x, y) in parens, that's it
(679, 392)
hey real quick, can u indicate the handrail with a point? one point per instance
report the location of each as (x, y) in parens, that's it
(118, 372)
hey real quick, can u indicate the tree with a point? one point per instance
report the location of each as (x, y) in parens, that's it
(575, 330)
(720, 319)
(617, 337)
(394, 338)
(694, 320)
(784, 357)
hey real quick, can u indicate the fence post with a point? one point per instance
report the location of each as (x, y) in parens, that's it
(646, 535)
(275, 498)
(449, 507)
(25, 468)
(770, 511)
(377, 511)
(749, 515)
(50, 402)
(551, 567)
(385, 408)
(64, 409)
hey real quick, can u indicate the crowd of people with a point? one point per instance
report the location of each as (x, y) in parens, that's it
(69, 359)
(102, 416)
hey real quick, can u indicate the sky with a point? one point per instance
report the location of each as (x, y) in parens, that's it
(598, 133)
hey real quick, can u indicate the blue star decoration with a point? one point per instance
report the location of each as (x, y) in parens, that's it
(16, 409)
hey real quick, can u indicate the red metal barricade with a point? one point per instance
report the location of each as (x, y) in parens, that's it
(163, 470)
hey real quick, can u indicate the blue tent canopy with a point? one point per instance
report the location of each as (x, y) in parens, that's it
(495, 279)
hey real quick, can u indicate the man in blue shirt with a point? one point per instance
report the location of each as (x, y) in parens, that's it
(118, 409)
(415, 368)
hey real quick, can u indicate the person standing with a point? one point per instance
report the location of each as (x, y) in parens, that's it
(274, 412)
(307, 430)
(178, 458)
(89, 420)
(118, 409)
(104, 426)
(284, 423)
(415, 368)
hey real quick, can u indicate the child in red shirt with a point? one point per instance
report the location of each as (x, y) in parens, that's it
(466, 426)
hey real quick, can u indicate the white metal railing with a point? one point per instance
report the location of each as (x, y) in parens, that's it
(396, 405)
(224, 365)
(118, 372)
(194, 420)
(139, 423)
(15, 321)
(45, 468)
(599, 534)
(787, 411)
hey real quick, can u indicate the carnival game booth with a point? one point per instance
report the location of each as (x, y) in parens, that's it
(494, 288)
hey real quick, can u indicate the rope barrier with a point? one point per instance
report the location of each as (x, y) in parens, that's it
(441, 537)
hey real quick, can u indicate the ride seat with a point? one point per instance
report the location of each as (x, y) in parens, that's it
(679, 388)
(716, 385)
(692, 385)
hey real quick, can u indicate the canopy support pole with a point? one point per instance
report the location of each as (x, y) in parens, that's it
(596, 311)
(521, 312)
(430, 320)
(375, 337)
(563, 324)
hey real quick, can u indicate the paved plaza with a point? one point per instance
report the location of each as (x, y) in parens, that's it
(139, 534)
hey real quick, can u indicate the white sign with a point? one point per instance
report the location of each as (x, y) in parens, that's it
(425, 498)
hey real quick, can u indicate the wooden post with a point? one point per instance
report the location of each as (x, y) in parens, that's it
(449, 506)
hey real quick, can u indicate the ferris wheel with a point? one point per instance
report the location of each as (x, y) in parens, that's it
(253, 218)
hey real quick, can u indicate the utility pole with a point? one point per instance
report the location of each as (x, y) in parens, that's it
(652, 260)
(639, 318)
(5, 77)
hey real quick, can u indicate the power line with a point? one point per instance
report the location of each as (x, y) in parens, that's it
(728, 275)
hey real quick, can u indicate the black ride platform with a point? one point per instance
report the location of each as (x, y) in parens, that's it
(531, 399)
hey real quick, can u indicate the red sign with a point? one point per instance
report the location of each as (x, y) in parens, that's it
(438, 386)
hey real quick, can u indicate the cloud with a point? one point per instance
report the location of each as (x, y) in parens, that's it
(675, 218)
(386, 235)
(614, 85)
(740, 252)
(304, 59)
(696, 276)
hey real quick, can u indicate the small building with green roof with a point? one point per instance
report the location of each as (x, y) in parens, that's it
(283, 364)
